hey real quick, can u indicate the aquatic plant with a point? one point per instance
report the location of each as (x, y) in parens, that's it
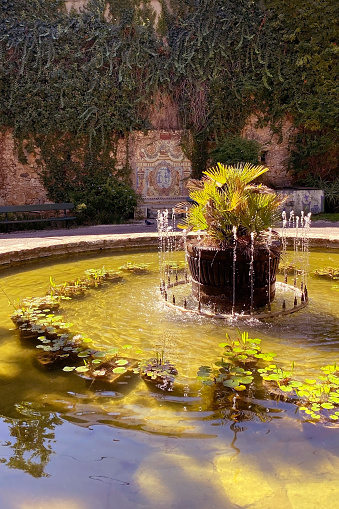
(278, 382)
(69, 289)
(235, 370)
(244, 350)
(100, 363)
(102, 275)
(136, 268)
(77, 288)
(158, 371)
(317, 398)
(327, 273)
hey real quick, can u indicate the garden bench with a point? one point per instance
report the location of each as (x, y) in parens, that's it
(35, 213)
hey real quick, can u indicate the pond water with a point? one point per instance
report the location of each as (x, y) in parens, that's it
(66, 443)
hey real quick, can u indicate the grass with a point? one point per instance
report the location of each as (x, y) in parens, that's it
(328, 216)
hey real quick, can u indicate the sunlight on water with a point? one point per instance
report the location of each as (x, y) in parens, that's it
(184, 448)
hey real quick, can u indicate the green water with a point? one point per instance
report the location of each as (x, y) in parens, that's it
(66, 444)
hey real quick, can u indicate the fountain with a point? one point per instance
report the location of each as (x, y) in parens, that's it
(290, 297)
(241, 393)
(199, 443)
(234, 258)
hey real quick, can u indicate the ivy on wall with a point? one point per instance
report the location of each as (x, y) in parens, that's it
(92, 76)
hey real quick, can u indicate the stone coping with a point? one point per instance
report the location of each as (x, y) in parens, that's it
(24, 246)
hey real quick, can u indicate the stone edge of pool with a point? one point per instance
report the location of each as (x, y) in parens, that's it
(23, 249)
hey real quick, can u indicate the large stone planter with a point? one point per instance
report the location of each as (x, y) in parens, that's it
(213, 278)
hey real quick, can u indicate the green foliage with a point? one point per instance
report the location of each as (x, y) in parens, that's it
(84, 76)
(331, 217)
(234, 150)
(158, 371)
(242, 365)
(111, 201)
(136, 268)
(226, 199)
(89, 182)
(303, 82)
(330, 273)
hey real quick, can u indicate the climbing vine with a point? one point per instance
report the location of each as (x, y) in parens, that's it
(91, 77)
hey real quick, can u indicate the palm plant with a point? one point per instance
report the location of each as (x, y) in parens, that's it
(226, 198)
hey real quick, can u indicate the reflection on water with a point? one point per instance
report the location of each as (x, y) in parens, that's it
(195, 446)
(33, 435)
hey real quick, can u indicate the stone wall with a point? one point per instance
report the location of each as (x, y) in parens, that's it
(274, 149)
(159, 167)
(19, 183)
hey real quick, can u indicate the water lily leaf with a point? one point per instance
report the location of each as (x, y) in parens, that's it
(334, 417)
(68, 368)
(255, 340)
(328, 406)
(99, 355)
(285, 388)
(120, 369)
(83, 355)
(295, 384)
(205, 369)
(240, 388)
(113, 350)
(231, 383)
(266, 356)
(315, 406)
(121, 362)
(127, 347)
(310, 381)
(245, 379)
(82, 369)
